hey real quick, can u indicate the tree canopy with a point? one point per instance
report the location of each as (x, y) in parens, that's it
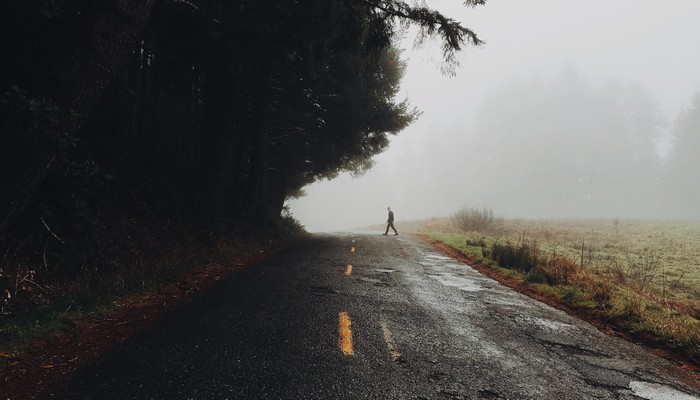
(217, 110)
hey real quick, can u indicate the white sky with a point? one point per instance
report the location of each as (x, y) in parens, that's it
(650, 42)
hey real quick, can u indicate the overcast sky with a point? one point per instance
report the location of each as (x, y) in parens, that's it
(426, 171)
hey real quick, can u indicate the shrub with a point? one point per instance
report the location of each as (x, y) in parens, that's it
(287, 224)
(643, 268)
(480, 242)
(535, 277)
(524, 256)
(600, 292)
(474, 219)
(573, 295)
(558, 270)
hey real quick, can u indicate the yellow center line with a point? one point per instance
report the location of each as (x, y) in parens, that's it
(353, 240)
(345, 341)
(352, 250)
(348, 270)
(390, 343)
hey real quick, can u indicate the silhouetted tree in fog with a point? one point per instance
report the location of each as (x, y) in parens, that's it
(567, 148)
(214, 109)
(683, 183)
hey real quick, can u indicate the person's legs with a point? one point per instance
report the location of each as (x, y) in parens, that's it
(392, 227)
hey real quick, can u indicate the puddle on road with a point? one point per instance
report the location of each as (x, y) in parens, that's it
(552, 325)
(655, 391)
(465, 284)
(437, 257)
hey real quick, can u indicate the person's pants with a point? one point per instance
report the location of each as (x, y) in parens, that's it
(390, 225)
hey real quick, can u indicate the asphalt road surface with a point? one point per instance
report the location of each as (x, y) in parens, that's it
(365, 316)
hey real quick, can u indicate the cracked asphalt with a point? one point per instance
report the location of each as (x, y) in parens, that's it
(365, 316)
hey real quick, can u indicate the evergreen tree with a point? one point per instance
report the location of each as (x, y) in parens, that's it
(683, 184)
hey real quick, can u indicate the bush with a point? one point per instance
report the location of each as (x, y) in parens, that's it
(600, 292)
(523, 257)
(474, 219)
(558, 270)
(480, 242)
(573, 295)
(287, 224)
(535, 277)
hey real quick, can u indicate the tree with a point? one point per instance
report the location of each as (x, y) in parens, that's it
(37, 124)
(568, 148)
(683, 186)
(215, 108)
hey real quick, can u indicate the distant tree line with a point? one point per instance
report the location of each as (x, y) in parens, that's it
(680, 175)
(567, 148)
(214, 109)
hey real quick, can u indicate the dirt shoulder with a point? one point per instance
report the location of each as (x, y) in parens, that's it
(609, 327)
(42, 369)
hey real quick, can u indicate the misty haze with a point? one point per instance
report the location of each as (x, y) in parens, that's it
(569, 110)
(350, 199)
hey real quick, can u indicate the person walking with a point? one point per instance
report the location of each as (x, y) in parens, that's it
(390, 223)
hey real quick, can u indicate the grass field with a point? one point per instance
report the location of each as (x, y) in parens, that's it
(641, 276)
(668, 250)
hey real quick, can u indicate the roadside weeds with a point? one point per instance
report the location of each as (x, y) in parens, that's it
(606, 323)
(41, 368)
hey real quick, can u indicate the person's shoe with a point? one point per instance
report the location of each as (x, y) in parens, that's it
(385, 234)
(396, 234)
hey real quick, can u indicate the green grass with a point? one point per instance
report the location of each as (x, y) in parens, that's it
(606, 244)
(603, 280)
(461, 242)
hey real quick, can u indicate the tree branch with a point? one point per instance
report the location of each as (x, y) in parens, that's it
(433, 23)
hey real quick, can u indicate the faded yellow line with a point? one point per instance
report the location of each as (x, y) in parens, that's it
(345, 342)
(353, 240)
(348, 270)
(352, 250)
(390, 343)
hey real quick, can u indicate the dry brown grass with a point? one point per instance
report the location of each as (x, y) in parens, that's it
(625, 271)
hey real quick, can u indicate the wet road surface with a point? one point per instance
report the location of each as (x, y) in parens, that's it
(365, 316)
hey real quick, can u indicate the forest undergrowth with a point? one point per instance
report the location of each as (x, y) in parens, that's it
(57, 271)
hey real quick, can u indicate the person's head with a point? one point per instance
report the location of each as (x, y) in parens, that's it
(388, 208)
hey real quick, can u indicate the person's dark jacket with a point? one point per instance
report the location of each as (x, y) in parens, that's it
(391, 217)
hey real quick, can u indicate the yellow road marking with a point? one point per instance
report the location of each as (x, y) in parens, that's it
(353, 240)
(391, 344)
(348, 270)
(352, 250)
(345, 342)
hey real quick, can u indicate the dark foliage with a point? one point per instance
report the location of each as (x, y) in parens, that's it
(523, 256)
(209, 111)
(132, 127)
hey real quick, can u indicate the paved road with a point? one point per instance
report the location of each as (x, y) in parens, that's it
(360, 316)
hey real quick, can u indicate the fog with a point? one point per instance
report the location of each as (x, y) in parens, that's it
(570, 109)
